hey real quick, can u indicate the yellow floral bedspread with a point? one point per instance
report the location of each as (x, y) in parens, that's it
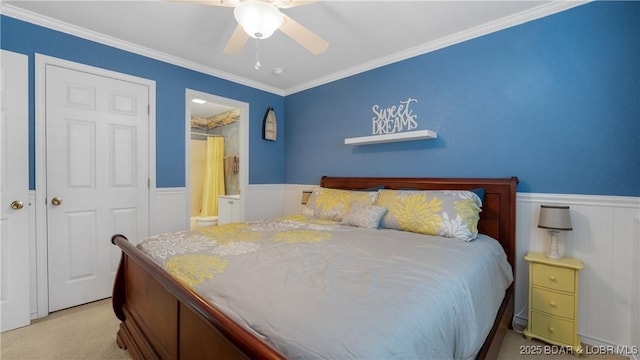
(193, 256)
(317, 289)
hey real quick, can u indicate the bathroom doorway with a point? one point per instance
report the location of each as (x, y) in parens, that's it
(210, 120)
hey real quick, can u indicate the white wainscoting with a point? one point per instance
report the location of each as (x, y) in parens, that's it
(292, 203)
(33, 275)
(606, 236)
(169, 210)
(264, 201)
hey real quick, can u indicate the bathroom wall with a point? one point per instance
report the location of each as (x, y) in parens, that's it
(231, 134)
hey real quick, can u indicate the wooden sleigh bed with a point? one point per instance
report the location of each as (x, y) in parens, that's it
(162, 318)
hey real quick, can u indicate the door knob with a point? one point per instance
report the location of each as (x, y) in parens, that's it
(17, 205)
(56, 201)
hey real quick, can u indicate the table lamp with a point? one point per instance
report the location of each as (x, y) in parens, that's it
(554, 219)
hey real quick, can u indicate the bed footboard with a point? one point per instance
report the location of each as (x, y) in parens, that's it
(161, 319)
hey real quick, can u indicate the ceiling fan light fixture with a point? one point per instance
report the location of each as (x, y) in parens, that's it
(260, 20)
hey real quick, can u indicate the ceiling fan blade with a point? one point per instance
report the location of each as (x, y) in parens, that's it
(237, 41)
(227, 3)
(287, 4)
(303, 36)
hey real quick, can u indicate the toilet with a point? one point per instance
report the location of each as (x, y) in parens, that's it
(203, 222)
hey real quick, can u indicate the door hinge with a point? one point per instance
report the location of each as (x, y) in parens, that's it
(149, 183)
(148, 109)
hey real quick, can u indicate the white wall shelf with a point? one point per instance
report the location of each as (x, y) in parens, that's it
(403, 136)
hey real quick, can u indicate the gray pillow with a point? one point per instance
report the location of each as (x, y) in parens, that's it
(364, 215)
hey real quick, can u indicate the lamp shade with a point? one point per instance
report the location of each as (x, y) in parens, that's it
(555, 218)
(258, 18)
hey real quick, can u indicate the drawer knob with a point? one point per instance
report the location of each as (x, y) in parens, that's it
(551, 329)
(552, 278)
(552, 303)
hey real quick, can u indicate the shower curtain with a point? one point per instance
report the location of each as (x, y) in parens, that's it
(214, 176)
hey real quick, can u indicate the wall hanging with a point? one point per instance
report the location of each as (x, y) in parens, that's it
(270, 125)
(391, 124)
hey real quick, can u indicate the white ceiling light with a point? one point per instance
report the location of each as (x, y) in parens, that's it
(257, 18)
(198, 101)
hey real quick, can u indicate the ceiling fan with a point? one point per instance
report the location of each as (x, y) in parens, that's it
(259, 19)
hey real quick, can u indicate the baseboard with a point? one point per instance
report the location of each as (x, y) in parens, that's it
(631, 351)
(604, 347)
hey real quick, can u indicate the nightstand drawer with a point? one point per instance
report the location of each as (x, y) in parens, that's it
(553, 277)
(554, 329)
(552, 302)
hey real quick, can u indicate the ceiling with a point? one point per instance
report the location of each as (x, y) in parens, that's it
(362, 34)
(207, 109)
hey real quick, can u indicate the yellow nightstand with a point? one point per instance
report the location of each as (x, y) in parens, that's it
(553, 300)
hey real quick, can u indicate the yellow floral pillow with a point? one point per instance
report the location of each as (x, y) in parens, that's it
(443, 213)
(333, 204)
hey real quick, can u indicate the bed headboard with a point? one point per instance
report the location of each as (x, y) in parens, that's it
(498, 216)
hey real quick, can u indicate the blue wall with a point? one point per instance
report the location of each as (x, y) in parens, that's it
(555, 102)
(266, 158)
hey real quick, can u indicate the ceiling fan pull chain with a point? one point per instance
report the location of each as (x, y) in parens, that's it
(257, 66)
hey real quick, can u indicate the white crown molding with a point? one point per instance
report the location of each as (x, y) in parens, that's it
(37, 19)
(494, 26)
(503, 23)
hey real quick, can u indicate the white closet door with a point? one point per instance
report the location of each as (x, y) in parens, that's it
(14, 191)
(97, 171)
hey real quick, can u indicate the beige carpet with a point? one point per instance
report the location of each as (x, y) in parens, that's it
(82, 332)
(89, 332)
